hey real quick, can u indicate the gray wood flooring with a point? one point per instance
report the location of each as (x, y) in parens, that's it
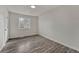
(35, 44)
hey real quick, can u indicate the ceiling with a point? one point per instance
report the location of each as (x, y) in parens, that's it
(25, 9)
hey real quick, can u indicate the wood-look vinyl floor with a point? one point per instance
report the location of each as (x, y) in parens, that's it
(35, 44)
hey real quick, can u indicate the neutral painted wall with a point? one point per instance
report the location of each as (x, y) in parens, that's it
(14, 30)
(61, 25)
(3, 26)
(2, 40)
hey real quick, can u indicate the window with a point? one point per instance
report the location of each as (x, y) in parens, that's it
(24, 23)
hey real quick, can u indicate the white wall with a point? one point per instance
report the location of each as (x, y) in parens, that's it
(3, 25)
(2, 40)
(15, 31)
(61, 25)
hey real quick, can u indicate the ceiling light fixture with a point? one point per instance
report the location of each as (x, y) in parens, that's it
(33, 6)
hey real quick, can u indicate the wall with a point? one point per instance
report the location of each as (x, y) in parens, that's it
(3, 26)
(61, 25)
(14, 30)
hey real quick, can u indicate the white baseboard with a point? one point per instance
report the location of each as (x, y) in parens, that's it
(23, 36)
(51, 38)
(2, 46)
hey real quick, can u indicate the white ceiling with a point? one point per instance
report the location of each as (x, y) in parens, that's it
(25, 9)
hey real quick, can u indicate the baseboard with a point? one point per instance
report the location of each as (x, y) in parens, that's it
(3, 45)
(23, 37)
(50, 38)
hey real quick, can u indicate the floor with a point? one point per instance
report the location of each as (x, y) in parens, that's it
(35, 44)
